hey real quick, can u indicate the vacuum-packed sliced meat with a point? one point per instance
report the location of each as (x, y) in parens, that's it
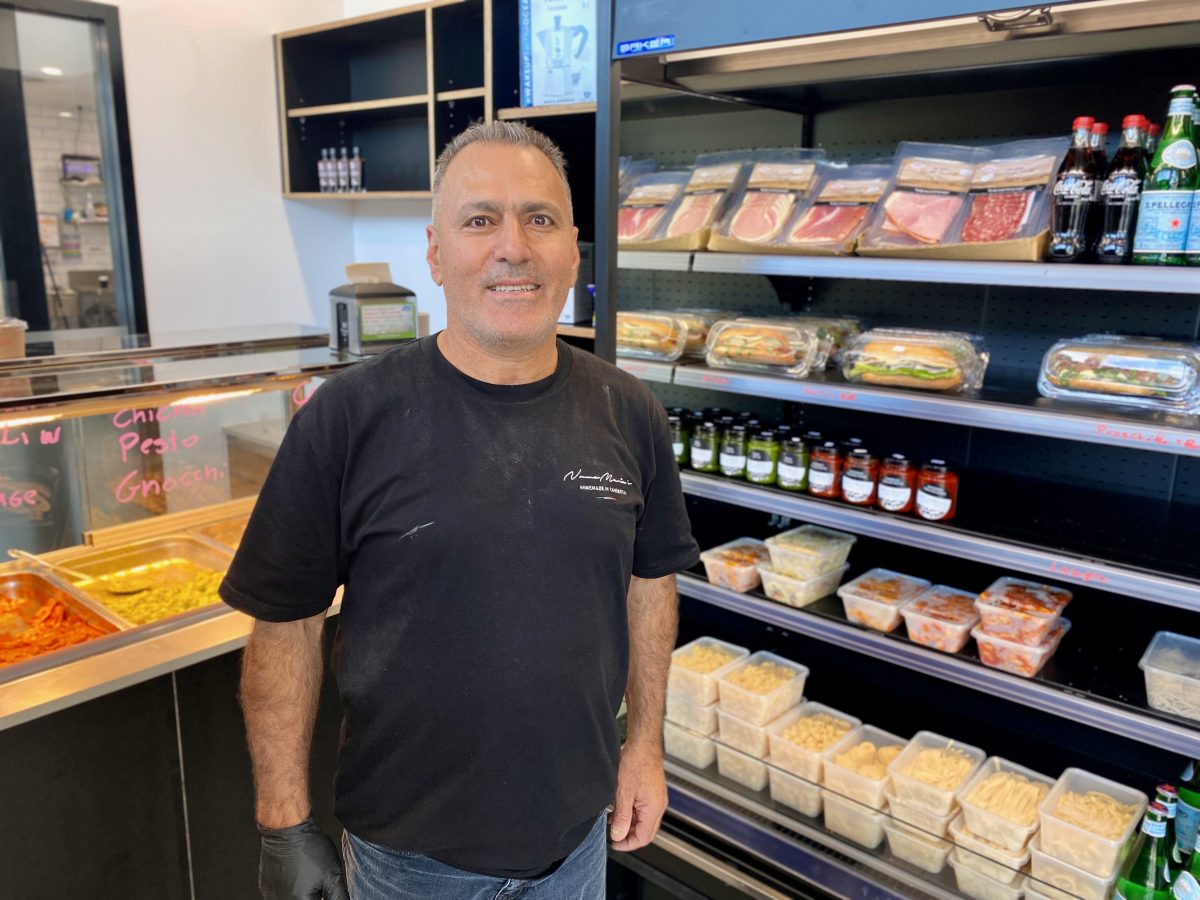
(923, 217)
(821, 224)
(995, 217)
(636, 223)
(761, 216)
(694, 214)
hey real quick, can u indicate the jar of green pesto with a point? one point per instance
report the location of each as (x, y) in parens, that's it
(793, 465)
(704, 448)
(679, 439)
(762, 458)
(733, 452)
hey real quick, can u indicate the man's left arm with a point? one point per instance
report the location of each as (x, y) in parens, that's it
(641, 784)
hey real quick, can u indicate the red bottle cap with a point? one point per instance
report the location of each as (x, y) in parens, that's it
(1083, 122)
(1137, 120)
(1100, 128)
(1155, 129)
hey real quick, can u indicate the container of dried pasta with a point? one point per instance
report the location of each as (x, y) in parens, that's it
(798, 738)
(856, 766)
(990, 860)
(931, 770)
(745, 770)
(916, 847)
(1089, 821)
(762, 688)
(792, 791)
(1000, 803)
(1171, 665)
(694, 749)
(1058, 880)
(700, 719)
(853, 820)
(695, 668)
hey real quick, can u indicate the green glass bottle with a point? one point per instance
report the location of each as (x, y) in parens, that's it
(733, 452)
(1191, 250)
(1164, 212)
(1168, 796)
(1187, 814)
(1186, 885)
(1143, 877)
(704, 448)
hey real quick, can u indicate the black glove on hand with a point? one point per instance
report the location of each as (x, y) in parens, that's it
(299, 863)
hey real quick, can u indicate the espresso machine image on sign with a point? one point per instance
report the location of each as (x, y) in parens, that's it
(557, 62)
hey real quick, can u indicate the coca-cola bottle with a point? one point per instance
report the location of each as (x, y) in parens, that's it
(1121, 191)
(1074, 193)
(1099, 141)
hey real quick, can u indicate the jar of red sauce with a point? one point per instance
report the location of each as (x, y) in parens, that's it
(937, 491)
(897, 483)
(824, 469)
(860, 477)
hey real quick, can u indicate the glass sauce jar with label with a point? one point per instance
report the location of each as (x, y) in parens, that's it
(860, 477)
(704, 448)
(937, 491)
(762, 459)
(897, 483)
(792, 474)
(733, 452)
(824, 467)
(679, 438)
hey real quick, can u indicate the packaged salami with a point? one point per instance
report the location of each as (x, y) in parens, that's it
(715, 177)
(644, 213)
(1011, 192)
(839, 210)
(778, 182)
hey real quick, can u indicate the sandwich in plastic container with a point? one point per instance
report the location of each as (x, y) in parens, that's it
(651, 335)
(833, 221)
(1143, 372)
(1011, 192)
(699, 323)
(911, 357)
(778, 183)
(763, 345)
(834, 332)
(644, 213)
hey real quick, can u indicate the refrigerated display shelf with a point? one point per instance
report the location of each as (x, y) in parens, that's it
(1054, 691)
(647, 370)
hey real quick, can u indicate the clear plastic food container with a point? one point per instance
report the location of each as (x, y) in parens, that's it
(802, 724)
(735, 565)
(742, 736)
(1019, 659)
(985, 857)
(1062, 881)
(874, 598)
(919, 791)
(762, 688)
(918, 817)
(1010, 827)
(1141, 372)
(1095, 851)
(649, 335)
(853, 821)
(978, 885)
(694, 749)
(941, 617)
(809, 551)
(916, 847)
(699, 322)
(763, 345)
(802, 796)
(834, 333)
(700, 719)
(1171, 665)
(695, 668)
(915, 358)
(1021, 611)
(799, 593)
(745, 770)
(846, 775)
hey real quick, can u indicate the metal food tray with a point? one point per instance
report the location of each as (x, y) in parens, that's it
(127, 556)
(44, 585)
(217, 532)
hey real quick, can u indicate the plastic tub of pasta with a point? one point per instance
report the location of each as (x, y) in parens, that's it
(796, 592)
(1024, 612)
(941, 617)
(1062, 881)
(852, 820)
(919, 817)
(694, 749)
(917, 848)
(802, 796)
(762, 688)
(1089, 821)
(1171, 665)
(797, 739)
(874, 598)
(1020, 659)
(695, 668)
(856, 766)
(700, 719)
(735, 565)
(809, 551)
(985, 857)
(978, 885)
(931, 770)
(743, 736)
(745, 770)
(1000, 804)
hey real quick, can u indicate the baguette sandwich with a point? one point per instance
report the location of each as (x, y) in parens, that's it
(762, 343)
(902, 364)
(1128, 371)
(658, 334)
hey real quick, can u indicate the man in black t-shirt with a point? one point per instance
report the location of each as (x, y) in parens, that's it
(505, 515)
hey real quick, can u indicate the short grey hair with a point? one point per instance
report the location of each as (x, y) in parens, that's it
(514, 134)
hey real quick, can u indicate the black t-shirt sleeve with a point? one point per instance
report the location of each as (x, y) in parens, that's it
(664, 543)
(288, 565)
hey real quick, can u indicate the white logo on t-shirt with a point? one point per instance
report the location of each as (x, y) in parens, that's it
(603, 483)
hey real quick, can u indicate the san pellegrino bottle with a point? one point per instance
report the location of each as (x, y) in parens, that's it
(1143, 877)
(1164, 213)
(1168, 796)
(1191, 250)
(1186, 885)
(1187, 814)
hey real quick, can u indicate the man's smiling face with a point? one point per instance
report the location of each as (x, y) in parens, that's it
(503, 245)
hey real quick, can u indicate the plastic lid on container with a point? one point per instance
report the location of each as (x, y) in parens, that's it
(1061, 627)
(9, 322)
(812, 539)
(742, 552)
(946, 604)
(1174, 653)
(1026, 597)
(884, 586)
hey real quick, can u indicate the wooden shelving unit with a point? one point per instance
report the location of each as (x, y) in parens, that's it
(333, 109)
(578, 331)
(537, 112)
(363, 195)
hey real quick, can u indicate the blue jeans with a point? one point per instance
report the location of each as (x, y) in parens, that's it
(377, 873)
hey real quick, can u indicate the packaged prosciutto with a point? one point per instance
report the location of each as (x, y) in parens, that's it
(927, 199)
(838, 213)
(714, 179)
(1010, 193)
(629, 170)
(779, 182)
(644, 212)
